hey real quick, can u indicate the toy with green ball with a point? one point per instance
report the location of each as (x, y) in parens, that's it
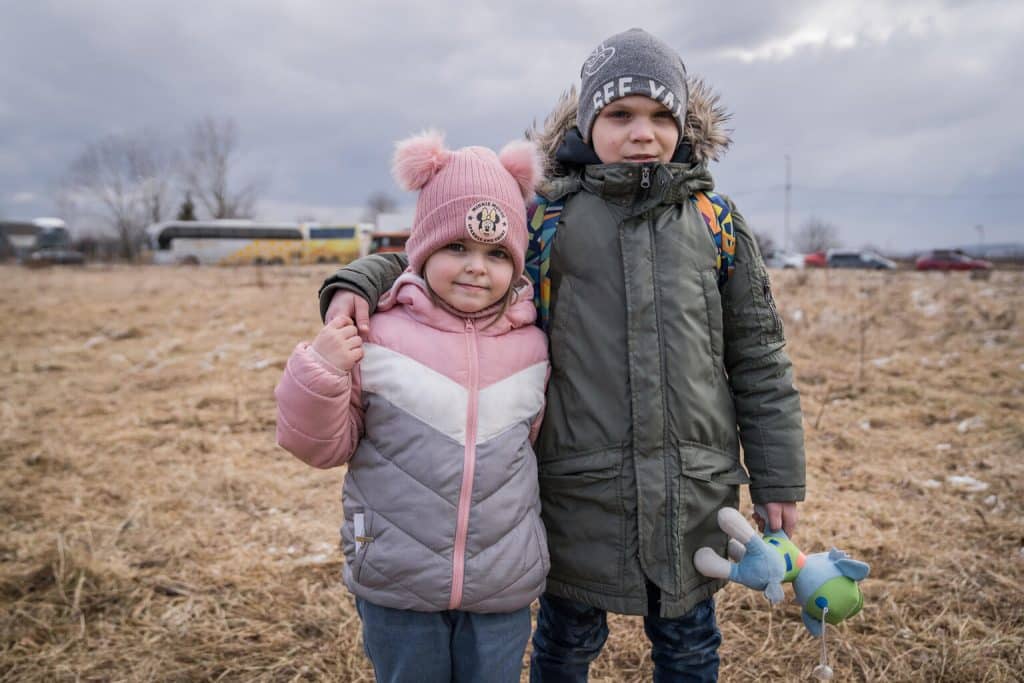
(826, 583)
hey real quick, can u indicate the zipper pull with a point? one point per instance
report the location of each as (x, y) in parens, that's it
(645, 177)
(469, 325)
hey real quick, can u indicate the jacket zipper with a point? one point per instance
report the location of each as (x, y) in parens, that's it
(468, 467)
(645, 177)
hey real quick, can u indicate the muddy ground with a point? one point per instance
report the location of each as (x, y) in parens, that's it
(152, 529)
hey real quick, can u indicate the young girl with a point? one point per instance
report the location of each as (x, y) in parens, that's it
(435, 413)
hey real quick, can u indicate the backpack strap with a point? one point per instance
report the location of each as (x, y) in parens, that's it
(542, 223)
(718, 217)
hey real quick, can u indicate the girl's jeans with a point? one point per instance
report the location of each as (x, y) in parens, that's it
(438, 647)
(570, 635)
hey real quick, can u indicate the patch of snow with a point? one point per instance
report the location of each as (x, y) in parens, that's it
(237, 329)
(865, 425)
(319, 558)
(971, 424)
(797, 315)
(95, 341)
(931, 484)
(965, 483)
(944, 447)
(881, 362)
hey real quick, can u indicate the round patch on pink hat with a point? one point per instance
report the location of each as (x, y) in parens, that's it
(486, 222)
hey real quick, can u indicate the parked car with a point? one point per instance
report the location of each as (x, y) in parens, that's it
(54, 257)
(816, 259)
(857, 258)
(784, 260)
(388, 242)
(950, 259)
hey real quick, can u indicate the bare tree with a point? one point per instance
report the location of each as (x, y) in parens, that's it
(122, 179)
(212, 150)
(154, 167)
(378, 203)
(816, 235)
(187, 210)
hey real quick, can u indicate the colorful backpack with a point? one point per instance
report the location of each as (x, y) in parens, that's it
(543, 224)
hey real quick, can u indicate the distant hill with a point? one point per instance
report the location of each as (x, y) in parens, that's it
(997, 251)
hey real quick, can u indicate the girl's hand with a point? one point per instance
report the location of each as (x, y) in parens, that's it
(339, 343)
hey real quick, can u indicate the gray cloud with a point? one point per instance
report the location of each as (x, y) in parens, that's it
(900, 121)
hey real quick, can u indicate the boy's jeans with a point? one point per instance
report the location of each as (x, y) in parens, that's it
(437, 647)
(570, 635)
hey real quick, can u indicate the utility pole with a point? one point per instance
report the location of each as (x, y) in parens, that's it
(785, 224)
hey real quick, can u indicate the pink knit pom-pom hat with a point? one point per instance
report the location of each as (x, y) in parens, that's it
(466, 193)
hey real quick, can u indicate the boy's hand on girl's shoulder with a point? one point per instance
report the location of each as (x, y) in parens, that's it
(352, 306)
(339, 343)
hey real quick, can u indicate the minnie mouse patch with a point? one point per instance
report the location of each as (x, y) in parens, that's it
(486, 222)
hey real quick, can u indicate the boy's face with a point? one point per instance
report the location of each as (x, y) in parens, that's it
(635, 129)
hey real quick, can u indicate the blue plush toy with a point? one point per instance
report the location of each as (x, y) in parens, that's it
(825, 583)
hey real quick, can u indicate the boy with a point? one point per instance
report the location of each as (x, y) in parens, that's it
(662, 362)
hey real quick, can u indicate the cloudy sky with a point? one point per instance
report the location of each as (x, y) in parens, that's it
(903, 121)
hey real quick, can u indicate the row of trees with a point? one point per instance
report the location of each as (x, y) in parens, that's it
(814, 235)
(127, 181)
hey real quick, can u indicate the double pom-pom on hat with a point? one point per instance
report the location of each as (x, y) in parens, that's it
(466, 193)
(421, 157)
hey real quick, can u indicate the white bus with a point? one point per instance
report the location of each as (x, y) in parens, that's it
(244, 242)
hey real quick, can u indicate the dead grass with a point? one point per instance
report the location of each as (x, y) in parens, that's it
(153, 531)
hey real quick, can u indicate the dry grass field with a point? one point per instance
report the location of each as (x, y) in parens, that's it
(152, 529)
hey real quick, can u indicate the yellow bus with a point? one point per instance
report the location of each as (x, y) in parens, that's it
(244, 242)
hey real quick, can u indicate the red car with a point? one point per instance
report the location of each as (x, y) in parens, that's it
(816, 259)
(950, 259)
(388, 242)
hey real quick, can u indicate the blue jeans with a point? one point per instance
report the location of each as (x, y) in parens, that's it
(438, 647)
(570, 636)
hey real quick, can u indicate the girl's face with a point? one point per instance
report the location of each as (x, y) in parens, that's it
(469, 275)
(636, 129)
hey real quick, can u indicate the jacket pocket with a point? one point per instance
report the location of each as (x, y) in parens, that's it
(581, 505)
(561, 312)
(767, 313)
(716, 327)
(357, 537)
(542, 543)
(709, 481)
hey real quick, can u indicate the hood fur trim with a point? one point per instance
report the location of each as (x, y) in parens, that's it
(705, 130)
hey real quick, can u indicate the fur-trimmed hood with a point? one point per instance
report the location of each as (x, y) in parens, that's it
(705, 130)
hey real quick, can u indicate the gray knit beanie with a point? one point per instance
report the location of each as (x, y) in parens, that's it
(631, 63)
